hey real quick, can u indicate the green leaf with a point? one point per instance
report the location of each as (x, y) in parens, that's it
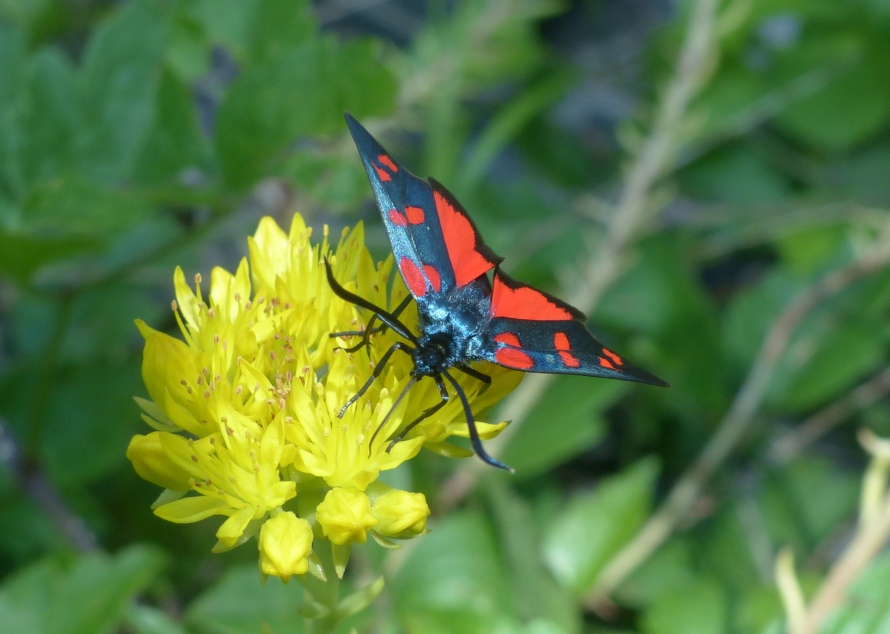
(537, 595)
(12, 56)
(836, 359)
(75, 207)
(80, 409)
(699, 607)
(240, 604)
(669, 566)
(119, 81)
(188, 53)
(89, 596)
(277, 26)
(795, 516)
(850, 108)
(566, 421)
(583, 536)
(360, 599)
(508, 123)
(814, 250)
(144, 619)
(21, 255)
(750, 313)
(663, 295)
(327, 178)
(49, 118)
(175, 142)
(452, 580)
(865, 174)
(254, 31)
(304, 91)
(738, 174)
(226, 22)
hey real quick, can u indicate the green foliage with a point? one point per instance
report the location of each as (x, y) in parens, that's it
(142, 135)
(239, 602)
(594, 525)
(87, 595)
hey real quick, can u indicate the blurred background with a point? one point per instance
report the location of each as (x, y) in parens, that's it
(709, 181)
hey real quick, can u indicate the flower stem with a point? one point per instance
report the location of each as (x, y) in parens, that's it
(323, 595)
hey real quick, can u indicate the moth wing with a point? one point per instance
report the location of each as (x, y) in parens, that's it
(533, 331)
(436, 245)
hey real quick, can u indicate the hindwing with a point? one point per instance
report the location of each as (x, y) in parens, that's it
(532, 331)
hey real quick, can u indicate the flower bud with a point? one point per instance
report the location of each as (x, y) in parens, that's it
(345, 516)
(285, 543)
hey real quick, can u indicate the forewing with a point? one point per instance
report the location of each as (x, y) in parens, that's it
(533, 331)
(436, 245)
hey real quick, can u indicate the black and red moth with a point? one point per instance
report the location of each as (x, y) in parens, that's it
(462, 315)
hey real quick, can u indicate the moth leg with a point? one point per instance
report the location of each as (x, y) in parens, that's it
(370, 329)
(473, 372)
(378, 369)
(475, 441)
(386, 317)
(443, 391)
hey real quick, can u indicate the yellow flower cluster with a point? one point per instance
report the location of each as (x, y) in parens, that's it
(245, 410)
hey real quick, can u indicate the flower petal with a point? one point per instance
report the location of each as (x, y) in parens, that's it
(192, 509)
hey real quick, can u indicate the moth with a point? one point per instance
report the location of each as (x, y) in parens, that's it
(463, 315)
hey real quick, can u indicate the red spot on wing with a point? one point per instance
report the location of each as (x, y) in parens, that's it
(508, 338)
(397, 218)
(569, 360)
(388, 162)
(562, 344)
(524, 302)
(606, 364)
(412, 216)
(614, 357)
(413, 277)
(512, 357)
(415, 215)
(382, 174)
(432, 274)
(461, 242)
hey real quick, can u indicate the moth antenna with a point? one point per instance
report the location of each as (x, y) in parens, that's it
(471, 425)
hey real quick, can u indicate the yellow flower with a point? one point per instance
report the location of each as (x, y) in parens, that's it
(151, 463)
(400, 514)
(246, 407)
(285, 543)
(345, 516)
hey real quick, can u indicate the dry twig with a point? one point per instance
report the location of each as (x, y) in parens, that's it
(820, 423)
(871, 536)
(737, 421)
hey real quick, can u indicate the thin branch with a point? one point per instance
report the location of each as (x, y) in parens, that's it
(46, 376)
(633, 212)
(770, 105)
(737, 421)
(820, 423)
(34, 483)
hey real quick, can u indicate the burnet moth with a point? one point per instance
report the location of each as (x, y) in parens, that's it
(464, 316)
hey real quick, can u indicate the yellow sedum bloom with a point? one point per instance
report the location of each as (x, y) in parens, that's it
(400, 514)
(285, 544)
(345, 516)
(245, 408)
